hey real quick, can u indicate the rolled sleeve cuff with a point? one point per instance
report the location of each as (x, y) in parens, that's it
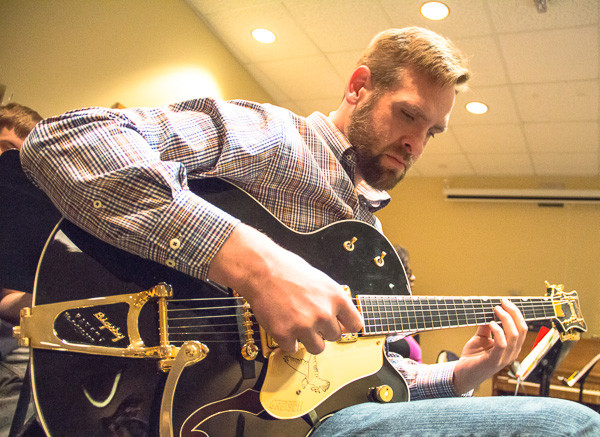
(189, 234)
(434, 381)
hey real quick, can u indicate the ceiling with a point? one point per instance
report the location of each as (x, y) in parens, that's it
(537, 72)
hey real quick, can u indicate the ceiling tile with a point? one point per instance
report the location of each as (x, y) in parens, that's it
(467, 18)
(485, 61)
(499, 99)
(522, 16)
(491, 138)
(560, 101)
(551, 55)
(269, 86)
(332, 24)
(442, 164)
(444, 143)
(206, 7)
(345, 62)
(571, 164)
(304, 78)
(292, 41)
(498, 164)
(565, 137)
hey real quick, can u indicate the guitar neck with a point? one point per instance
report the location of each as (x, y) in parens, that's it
(409, 314)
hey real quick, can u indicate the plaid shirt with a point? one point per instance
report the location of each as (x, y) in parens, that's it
(122, 176)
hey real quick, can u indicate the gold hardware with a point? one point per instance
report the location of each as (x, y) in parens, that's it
(267, 342)
(18, 333)
(571, 335)
(36, 328)
(349, 337)
(379, 259)
(190, 353)
(349, 245)
(382, 393)
(249, 349)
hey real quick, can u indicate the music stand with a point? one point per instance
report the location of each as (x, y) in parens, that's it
(580, 376)
(542, 361)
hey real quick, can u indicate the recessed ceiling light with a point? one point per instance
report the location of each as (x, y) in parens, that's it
(435, 10)
(476, 107)
(263, 35)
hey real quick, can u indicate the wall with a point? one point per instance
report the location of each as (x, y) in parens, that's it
(494, 249)
(65, 54)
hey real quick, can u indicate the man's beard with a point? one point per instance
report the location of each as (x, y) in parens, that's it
(362, 136)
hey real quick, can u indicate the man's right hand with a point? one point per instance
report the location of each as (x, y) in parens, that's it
(291, 300)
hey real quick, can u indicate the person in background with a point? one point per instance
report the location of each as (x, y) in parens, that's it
(26, 220)
(309, 172)
(409, 346)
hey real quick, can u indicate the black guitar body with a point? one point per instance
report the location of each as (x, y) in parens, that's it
(92, 395)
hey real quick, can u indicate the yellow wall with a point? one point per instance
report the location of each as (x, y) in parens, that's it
(494, 249)
(65, 54)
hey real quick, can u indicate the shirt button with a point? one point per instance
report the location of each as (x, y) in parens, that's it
(175, 243)
(97, 204)
(170, 263)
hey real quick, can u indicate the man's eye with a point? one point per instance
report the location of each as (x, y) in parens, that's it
(407, 115)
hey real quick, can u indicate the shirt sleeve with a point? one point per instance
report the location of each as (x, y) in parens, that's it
(426, 381)
(122, 175)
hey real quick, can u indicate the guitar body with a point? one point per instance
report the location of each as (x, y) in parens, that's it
(95, 395)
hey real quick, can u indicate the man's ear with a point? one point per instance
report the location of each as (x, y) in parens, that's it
(358, 85)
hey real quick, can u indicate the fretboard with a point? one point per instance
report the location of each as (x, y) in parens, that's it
(408, 314)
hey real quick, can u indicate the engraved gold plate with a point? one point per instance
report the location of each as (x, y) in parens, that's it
(37, 326)
(297, 383)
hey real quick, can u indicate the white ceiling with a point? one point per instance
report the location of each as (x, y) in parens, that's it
(538, 73)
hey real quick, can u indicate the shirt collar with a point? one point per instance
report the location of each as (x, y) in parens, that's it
(345, 154)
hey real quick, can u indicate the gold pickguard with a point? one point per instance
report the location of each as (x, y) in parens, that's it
(297, 383)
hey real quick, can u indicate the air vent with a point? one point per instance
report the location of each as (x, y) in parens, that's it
(539, 196)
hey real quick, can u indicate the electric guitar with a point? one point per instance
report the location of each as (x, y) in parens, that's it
(124, 346)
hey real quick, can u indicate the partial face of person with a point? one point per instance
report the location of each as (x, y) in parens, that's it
(390, 129)
(9, 140)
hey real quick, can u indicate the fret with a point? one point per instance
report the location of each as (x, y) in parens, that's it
(528, 308)
(412, 314)
(452, 313)
(430, 312)
(397, 315)
(469, 312)
(490, 315)
(461, 315)
(479, 311)
(444, 318)
(390, 325)
(368, 315)
(377, 323)
(421, 318)
(404, 314)
(439, 312)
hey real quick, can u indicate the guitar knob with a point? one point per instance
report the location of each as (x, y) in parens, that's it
(382, 393)
(249, 351)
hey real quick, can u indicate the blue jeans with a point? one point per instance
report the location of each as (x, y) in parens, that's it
(484, 416)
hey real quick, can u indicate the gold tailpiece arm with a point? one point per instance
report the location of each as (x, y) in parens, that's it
(75, 326)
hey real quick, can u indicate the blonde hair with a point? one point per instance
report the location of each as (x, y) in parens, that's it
(19, 118)
(393, 50)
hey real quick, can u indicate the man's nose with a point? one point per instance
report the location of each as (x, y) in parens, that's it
(415, 144)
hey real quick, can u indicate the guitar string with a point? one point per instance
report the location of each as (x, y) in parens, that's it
(420, 305)
(427, 300)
